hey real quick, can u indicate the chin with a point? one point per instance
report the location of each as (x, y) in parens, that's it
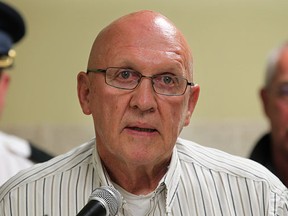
(138, 158)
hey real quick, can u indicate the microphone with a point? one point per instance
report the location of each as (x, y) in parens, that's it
(104, 201)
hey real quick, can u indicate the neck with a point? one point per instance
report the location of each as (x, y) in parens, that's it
(139, 180)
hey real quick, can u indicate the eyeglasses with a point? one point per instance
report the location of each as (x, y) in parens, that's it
(128, 79)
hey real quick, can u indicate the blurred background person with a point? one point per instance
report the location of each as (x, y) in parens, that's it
(272, 148)
(15, 153)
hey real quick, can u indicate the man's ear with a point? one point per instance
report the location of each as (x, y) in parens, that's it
(263, 93)
(193, 98)
(4, 83)
(83, 90)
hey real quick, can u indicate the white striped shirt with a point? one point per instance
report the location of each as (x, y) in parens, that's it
(199, 181)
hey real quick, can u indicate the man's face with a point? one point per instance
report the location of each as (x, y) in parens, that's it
(139, 126)
(275, 99)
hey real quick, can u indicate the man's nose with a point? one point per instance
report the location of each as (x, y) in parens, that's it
(144, 96)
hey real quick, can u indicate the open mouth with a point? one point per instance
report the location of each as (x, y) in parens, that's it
(149, 130)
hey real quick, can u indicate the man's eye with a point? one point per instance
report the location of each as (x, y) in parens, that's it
(167, 79)
(283, 90)
(124, 74)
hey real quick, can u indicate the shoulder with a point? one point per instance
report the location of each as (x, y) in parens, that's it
(80, 156)
(15, 145)
(200, 157)
(14, 153)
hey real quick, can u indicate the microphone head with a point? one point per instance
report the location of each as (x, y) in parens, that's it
(109, 197)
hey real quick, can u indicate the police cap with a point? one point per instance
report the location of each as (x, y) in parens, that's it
(12, 29)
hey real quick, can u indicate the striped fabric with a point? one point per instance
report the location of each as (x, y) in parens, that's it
(199, 181)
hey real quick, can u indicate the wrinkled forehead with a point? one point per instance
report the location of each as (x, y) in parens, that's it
(146, 60)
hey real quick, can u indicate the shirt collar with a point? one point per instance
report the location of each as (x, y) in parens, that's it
(101, 173)
(172, 179)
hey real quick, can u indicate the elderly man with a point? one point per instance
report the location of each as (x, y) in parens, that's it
(272, 149)
(139, 90)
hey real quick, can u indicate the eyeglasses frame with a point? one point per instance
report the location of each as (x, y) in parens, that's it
(149, 77)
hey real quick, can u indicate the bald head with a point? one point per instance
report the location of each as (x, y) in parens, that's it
(142, 29)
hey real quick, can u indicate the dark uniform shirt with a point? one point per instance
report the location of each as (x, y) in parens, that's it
(262, 153)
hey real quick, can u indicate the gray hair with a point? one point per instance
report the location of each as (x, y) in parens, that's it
(272, 63)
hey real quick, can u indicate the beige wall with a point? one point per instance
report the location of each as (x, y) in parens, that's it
(229, 39)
